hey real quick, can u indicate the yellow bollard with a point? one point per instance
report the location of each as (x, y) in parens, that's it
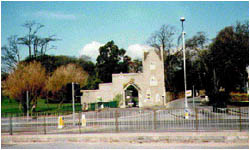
(84, 123)
(186, 114)
(60, 122)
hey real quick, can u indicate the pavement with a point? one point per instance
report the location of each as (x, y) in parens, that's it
(209, 145)
(147, 137)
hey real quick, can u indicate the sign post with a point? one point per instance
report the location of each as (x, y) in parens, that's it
(27, 103)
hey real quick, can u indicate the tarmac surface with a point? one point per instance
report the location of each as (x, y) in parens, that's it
(208, 145)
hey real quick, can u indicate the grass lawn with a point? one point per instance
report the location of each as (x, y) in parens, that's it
(11, 106)
(240, 103)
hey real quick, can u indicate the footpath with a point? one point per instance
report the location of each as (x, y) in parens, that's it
(147, 137)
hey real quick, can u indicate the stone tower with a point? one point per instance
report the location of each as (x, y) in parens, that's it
(153, 72)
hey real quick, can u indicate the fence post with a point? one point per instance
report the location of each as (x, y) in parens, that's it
(37, 123)
(44, 119)
(196, 119)
(155, 120)
(79, 116)
(240, 119)
(11, 132)
(116, 121)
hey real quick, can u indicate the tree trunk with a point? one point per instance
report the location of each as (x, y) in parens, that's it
(215, 82)
(24, 106)
(60, 104)
(30, 51)
(47, 101)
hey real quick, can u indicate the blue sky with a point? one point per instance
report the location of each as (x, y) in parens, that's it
(85, 26)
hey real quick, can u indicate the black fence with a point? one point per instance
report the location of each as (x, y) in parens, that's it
(128, 120)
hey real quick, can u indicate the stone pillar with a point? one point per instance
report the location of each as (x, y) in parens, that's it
(123, 100)
(139, 99)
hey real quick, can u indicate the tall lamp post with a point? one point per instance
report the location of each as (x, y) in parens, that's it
(73, 103)
(184, 63)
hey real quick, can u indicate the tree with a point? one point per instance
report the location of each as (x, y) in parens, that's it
(162, 38)
(111, 60)
(32, 40)
(62, 77)
(135, 66)
(173, 65)
(227, 60)
(44, 44)
(173, 70)
(31, 37)
(197, 42)
(51, 63)
(10, 54)
(25, 77)
(196, 47)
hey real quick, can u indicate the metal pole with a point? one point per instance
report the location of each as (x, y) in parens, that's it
(196, 119)
(79, 123)
(155, 120)
(73, 103)
(184, 62)
(44, 119)
(116, 121)
(11, 127)
(27, 103)
(193, 96)
(186, 113)
(240, 119)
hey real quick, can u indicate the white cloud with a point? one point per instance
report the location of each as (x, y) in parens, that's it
(135, 51)
(54, 15)
(91, 50)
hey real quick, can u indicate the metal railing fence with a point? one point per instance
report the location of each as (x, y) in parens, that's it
(128, 120)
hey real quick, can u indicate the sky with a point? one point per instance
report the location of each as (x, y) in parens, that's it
(83, 27)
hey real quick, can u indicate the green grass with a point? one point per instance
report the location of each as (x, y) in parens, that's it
(11, 106)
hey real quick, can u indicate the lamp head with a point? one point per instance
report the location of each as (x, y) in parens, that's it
(182, 19)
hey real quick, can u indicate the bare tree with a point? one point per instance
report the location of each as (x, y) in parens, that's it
(44, 44)
(31, 38)
(10, 54)
(39, 44)
(162, 38)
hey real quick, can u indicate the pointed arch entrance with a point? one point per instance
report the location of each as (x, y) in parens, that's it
(131, 95)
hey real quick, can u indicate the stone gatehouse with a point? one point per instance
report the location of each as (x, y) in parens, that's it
(149, 84)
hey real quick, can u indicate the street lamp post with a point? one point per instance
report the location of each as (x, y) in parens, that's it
(184, 63)
(73, 102)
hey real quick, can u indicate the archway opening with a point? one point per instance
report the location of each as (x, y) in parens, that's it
(131, 96)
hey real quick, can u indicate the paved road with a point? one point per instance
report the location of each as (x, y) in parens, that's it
(128, 146)
(180, 103)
